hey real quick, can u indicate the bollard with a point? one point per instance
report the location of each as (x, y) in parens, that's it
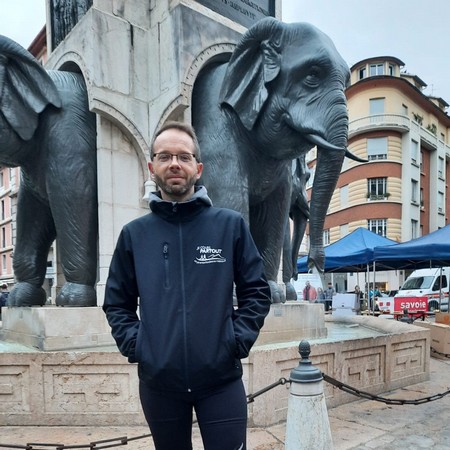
(307, 425)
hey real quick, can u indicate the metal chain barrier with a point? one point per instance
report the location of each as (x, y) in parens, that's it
(435, 352)
(251, 397)
(389, 401)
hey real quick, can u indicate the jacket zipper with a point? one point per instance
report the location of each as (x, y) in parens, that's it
(183, 296)
(166, 264)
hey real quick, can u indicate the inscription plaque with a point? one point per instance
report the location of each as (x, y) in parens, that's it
(244, 12)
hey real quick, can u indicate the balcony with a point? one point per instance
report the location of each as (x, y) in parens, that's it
(395, 122)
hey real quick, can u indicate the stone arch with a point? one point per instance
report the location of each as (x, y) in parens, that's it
(73, 62)
(179, 108)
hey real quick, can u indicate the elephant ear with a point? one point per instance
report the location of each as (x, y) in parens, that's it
(25, 88)
(254, 63)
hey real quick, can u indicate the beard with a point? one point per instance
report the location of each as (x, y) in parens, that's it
(175, 191)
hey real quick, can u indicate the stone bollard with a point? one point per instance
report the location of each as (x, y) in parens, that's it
(307, 426)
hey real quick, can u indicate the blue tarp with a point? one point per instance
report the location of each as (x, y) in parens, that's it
(352, 253)
(431, 250)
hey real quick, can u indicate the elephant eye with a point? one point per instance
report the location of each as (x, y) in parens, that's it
(313, 76)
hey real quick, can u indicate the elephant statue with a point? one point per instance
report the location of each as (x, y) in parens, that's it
(282, 93)
(299, 213)
(46, 129)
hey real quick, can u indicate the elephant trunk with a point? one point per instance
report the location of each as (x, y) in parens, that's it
(325, 179)
(328, 169)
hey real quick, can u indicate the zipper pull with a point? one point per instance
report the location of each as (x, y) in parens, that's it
(166, 250)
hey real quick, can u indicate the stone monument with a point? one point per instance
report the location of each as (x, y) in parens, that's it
(139, 61)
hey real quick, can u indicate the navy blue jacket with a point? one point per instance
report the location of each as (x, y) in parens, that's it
(178, 265)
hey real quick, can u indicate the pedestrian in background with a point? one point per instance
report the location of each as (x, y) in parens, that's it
(309, 293)
(329, 293)
(4, 295)
(179, 265)
(320, 295)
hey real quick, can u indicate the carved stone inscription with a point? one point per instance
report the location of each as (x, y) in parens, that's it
(245, 12)
(14, 389)
(89, 388)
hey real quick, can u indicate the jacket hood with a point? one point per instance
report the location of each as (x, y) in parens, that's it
(169, 210)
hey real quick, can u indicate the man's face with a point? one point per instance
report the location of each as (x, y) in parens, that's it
(175, 178)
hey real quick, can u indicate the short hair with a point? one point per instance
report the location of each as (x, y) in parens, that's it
(186, 128)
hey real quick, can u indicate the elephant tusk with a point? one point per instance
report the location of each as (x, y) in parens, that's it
(350, 155)
(321, 142)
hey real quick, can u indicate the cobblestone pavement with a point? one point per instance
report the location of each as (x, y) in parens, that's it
(360, 425)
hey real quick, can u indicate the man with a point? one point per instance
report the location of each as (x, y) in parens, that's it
(180, 264)
(3, 296)
(309, 293)
(359, 297)
(329, 292)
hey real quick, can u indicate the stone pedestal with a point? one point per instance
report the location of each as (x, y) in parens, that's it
(51, 328)
(97, 386)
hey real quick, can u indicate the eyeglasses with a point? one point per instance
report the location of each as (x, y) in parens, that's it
(165, 157)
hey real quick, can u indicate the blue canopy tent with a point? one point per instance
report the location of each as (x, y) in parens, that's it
(352, 253)
(431, 250)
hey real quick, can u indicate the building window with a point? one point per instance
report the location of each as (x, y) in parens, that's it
(377, 188)
(441, 167)
(376, 106)
(414, 152)
(440, 202)
(3, 263)
(326, 237)
(310, 180)
(377, 148)
(3, 210)
(362, 73)
(391, 70)
(344, 196)
(344, 230)
(422, 203)
(2, 178)
(376, 69)
(414, 228)
(404, 110)
(414, 191)
(378, 226)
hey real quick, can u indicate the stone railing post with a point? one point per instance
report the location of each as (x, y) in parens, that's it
(307, 426)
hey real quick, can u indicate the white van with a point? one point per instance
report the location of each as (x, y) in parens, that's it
(428, 283)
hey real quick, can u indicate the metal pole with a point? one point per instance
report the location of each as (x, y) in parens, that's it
(307, 425)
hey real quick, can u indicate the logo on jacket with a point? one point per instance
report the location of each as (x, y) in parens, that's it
(209, 255)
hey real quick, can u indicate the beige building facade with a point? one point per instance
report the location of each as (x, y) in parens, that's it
(402, 191)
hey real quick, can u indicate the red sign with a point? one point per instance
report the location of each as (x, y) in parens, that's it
(412, 304)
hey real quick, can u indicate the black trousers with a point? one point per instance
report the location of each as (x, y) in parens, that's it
(221, 414)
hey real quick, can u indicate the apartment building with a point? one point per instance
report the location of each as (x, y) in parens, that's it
(8, 192)
(402, 191)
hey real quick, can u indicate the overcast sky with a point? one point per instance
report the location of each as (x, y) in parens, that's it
(415, 31)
